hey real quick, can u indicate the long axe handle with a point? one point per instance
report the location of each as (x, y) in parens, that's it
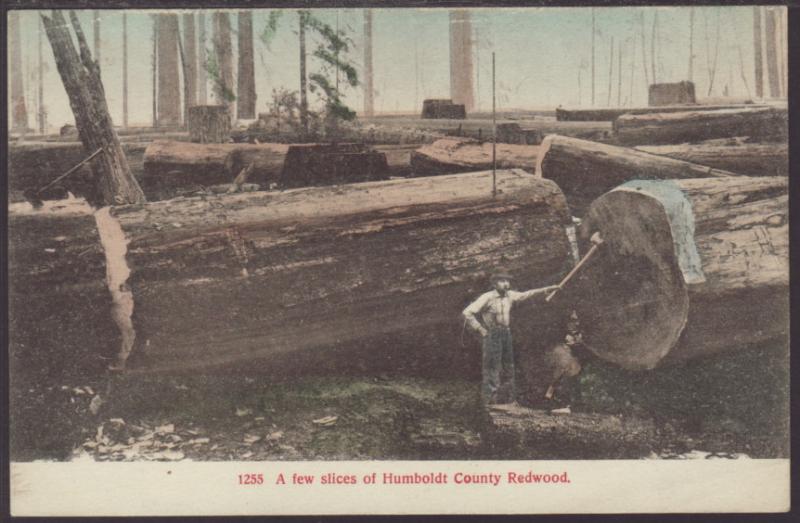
(573, 271)
(75, 168)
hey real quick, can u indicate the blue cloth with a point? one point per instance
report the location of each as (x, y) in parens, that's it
(498, 364)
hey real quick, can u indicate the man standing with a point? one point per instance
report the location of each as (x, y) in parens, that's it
(490, 315)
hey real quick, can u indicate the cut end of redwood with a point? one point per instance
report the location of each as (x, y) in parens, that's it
(543, 150)
(632, 298)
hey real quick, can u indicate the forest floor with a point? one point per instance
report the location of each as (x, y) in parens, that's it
(726, 406)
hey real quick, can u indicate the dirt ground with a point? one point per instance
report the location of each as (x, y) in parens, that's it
(728, 406)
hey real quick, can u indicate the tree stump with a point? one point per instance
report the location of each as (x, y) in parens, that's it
(209, 124)
(669, 94)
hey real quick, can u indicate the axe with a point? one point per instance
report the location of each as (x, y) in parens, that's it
(596, 242)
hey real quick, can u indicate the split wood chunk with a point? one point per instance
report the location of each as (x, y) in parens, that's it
(584, 170)
(688, 268)
(761, 123)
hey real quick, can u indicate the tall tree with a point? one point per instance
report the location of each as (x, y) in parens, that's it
(644, 50)
(202, 79)
(125, 69)
(593, 53)
(619, 77)
(758, 52)
(246, 85)
(81, 77)
(42, 113)
(369, 89)
(96, 34)
(770, 35)
(190, 65)
(711, 62)
(610, 72)
(222, 66)
(690, 76)
(154, 69)
(302, 22)
(19, 113)
(169, 87)
(461, 90)
(653, 47)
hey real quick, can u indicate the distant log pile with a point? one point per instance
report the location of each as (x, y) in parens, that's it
(759, 124)
(671, 93)
(452, 155)
(443, 108)
(688, 268)
(609, 114)
(585, 170)
(751, 159)
(242, 277)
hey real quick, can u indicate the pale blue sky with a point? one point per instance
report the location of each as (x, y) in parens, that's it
(539, 54)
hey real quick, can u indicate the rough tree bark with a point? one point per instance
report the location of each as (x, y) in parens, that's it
(452, 155)
(585, 170)
(190, 66)
(81, 78)
(209, 124)
(246, 91)
(750, 159)
(688, 268)
(214, 280)
(223, 81)
(761, 124)
(169, 87)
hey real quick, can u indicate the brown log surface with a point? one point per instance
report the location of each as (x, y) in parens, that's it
(584, 170)
(452, 155)
(761, 124)
(751, 159)
(609, 114)
(639, 305)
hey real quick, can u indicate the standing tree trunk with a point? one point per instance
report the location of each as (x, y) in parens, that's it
(169, 89)
(757, 52)
(81, 77)
(593, 54)
(619, 77)
(772, 55)
(461, 91)
(96, 34)
(610, 71)
(691, 45)
(125, 69)
(202, 80)
(644, 51)
(246, 100)
(189, 66)
(369, 96)
(224, 76)
(303, 88)
(41, 111)
(653, 47)
(19, 114)
(155, 71)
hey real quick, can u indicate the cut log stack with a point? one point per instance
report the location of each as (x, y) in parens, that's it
(274, 276)
(688, 268)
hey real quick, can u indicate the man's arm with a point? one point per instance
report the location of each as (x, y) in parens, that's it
(472, 311)
(522, 296)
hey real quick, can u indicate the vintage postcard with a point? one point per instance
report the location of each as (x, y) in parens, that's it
(398, 260)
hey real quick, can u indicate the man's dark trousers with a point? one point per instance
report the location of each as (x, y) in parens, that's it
(498, 364)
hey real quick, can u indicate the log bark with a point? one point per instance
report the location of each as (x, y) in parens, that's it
(520, 432)
(751, 159)
(275, 276)
(688, 268)
(209, 124)
(585, 170)
(169, 85)
(452, 155)
(81, 77)
(609, 114)
(246, 80)
(760, 124)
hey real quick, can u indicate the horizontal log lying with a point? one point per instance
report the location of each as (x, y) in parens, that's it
(609, 114)
(760, 124)
(285, 275)
(751, 159)
(452, 155)
(688, 268)
(584, 170)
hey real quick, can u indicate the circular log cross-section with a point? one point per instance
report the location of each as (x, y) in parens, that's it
(687, 268)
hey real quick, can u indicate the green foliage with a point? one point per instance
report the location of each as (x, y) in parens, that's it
(212, 67)
(271, 28)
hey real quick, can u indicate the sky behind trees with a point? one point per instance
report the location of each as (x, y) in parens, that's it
(543, 56)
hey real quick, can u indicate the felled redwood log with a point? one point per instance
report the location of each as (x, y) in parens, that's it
(452, 155)
(688, 268)
(275, 275)
(520, 432)
(584, 170)
(751, 159)
(209, 124)
(760, 124)
(609, 114)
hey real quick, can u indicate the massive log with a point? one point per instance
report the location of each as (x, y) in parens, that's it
(585, 170)
(452, 155)
(760, 124)
(688, 268)
(751, 159)
(609, 114)
(271, 276)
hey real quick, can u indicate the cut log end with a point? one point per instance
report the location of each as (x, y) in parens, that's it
(637, 303)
